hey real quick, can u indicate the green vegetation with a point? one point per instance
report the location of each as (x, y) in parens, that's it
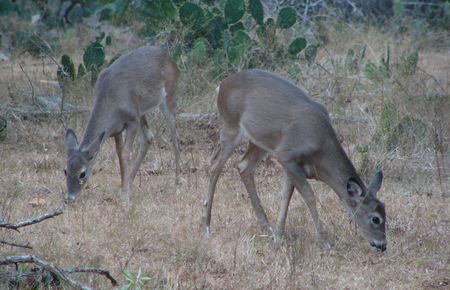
(93, 61)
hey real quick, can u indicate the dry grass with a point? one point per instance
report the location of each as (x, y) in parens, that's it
(159, 233)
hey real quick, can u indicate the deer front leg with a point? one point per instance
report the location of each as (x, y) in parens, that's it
(127, 149)
(119, 148)
(298, 178)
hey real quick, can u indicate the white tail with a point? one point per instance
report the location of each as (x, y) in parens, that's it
(135, 83)
(279, 118)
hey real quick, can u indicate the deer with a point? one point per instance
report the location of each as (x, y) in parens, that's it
(280, 119)
(131, 86)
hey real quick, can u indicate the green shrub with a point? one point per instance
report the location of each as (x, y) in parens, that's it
(409, 63)
(407, 134)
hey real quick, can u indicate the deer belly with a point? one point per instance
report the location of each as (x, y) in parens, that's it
(259, 137)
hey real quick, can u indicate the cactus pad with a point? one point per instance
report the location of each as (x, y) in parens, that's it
(297, 45)
(234, 10)
(68, 67)
(214, 30)
(286, 17)
(81, 70)
(257, 11)
(191, 15)
(94, 56)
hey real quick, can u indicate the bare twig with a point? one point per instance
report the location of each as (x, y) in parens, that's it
(93, 270)
(34, 220)
(31, 84)
(27, 246)
(45, 265)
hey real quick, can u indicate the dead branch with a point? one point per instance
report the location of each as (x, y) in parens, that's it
(27, 246)
(44, 265)
(31, 84)
(33, 220)
(93, 270)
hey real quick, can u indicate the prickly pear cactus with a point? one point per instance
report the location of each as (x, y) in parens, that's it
(238, 47)
(67, 68)
(214, 31)
(286, 17)
(297, 46)
(199, 50)
(94, 56)
(237, 26)
(108, 40)
(234, 10)
(191, 15)
(81, 70)
(257, 11)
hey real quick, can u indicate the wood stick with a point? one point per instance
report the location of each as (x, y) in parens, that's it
(33, 220)
(93, 270)
(45, 265)
(27, 246)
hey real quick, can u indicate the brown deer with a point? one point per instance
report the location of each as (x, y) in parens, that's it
(279, 118)
(135, 83)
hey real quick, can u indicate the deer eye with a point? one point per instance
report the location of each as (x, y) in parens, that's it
(376, 220)
(82, 175)
(65, 172)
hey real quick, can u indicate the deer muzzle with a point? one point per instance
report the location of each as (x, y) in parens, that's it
(379, 245)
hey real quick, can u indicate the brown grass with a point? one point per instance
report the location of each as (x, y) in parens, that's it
(159, 233)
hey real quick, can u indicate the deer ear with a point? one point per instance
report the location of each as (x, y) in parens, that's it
(375, 184)
(70, 141)
(92, 149)
(354, 189)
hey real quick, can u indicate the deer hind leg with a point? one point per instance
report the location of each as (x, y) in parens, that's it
(298, 178)
(247, 169)
(145, 138)
(169, 115)
(286, 194)
(229, 139)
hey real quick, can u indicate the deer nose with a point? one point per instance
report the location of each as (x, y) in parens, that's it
(69, 199)
(380, 246)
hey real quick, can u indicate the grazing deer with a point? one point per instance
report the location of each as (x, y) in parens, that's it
(135, 83)
(279, 118)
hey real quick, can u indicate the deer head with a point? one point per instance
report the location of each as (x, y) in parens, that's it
(79, 163)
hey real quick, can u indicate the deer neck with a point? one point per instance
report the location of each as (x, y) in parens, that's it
(336, 170)
(99, 122)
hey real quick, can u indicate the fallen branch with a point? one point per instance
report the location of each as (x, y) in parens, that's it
(93, 270)
(27, 246)
(31, 221)
(44, 265)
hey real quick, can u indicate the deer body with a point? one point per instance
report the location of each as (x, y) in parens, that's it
(279, 118)
(135, 83)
